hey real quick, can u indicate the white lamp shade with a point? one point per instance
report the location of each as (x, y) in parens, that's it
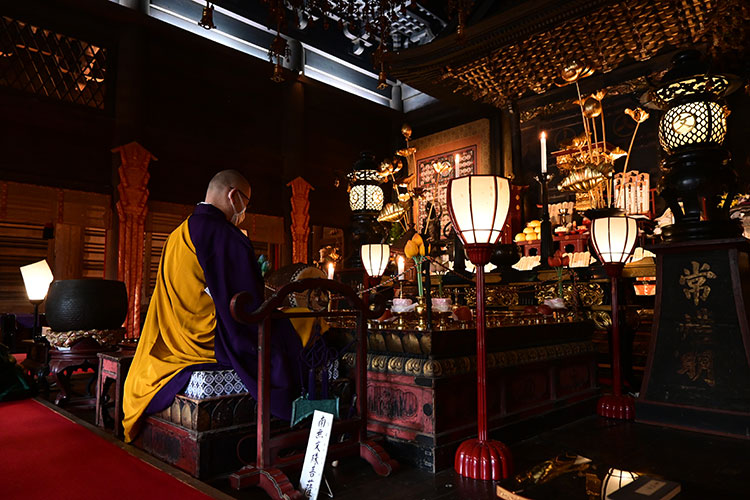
(375, 258)
(478, 206)
(37, 278)
(614, 238)
(616, 479)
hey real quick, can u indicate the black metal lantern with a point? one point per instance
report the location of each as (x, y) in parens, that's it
(365, 193)
(697, 170)
(365, 200)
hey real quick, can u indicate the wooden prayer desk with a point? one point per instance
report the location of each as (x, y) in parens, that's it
(113, 367)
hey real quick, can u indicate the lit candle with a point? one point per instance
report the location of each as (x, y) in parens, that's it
(458, 160)
(330, 270)
(543, 140)
(401, 264)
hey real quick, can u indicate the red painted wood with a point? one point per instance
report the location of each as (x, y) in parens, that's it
(269, 467)
(617, 405)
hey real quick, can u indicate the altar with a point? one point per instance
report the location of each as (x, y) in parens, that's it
(421, 385)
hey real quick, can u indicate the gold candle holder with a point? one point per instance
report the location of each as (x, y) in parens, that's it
(421, 310)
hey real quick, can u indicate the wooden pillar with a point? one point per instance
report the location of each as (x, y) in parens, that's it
(131, 213)
(300, 219)
(293, 154)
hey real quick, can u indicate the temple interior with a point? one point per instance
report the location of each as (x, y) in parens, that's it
(392, 249)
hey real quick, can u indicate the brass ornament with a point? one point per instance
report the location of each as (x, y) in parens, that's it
(591, 294)
(592, 107)
(413, 366)
(602, 319)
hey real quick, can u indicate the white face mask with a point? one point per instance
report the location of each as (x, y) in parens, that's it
(238, 215)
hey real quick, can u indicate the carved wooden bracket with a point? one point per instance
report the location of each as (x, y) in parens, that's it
(300, 218)
(131, 211)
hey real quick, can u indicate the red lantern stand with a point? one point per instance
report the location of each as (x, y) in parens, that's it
(269, 470)
(616, 405)
(481, 457)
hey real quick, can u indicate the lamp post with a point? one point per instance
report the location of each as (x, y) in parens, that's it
(365, 200)
(613, 239)
(478, 206)
(37, 278)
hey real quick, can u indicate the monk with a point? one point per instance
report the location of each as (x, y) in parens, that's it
(207, 260)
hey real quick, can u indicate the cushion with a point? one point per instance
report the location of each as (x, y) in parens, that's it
(210, 384)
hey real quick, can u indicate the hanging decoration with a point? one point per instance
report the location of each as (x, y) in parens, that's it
(371, 18)
(207, 18)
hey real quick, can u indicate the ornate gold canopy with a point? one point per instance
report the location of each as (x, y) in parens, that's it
(523, 51)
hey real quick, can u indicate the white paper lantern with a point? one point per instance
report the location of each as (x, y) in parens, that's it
(375, 258)
(614, 238)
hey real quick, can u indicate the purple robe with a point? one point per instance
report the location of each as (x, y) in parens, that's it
(229, 264)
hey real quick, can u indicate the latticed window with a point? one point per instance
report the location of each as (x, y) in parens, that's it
(40, 61)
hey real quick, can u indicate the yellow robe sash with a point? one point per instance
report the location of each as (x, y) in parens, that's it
(178, 332)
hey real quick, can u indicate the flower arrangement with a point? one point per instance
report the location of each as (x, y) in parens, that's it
(559, 261)
(414, 249)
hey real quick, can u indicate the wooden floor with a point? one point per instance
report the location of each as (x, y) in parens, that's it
(707, 467)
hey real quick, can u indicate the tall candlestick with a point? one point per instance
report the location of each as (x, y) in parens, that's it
(543, 140)
(401, 264)
(330, 270)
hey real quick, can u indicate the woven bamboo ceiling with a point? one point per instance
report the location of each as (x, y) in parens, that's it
(522, 51)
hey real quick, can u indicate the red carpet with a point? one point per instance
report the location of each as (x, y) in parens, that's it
(44, 455)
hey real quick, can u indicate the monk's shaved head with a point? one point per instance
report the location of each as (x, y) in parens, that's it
(225, 180)
(228, 191)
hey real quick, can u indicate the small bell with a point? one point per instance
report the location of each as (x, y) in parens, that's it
(382, 83)
(207, 19)
(278, 75)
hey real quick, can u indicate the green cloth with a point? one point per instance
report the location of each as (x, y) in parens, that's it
(13, 382)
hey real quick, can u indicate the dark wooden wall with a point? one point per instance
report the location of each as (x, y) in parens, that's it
(197, 106)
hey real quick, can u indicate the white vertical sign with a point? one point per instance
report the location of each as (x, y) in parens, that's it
(315, 457)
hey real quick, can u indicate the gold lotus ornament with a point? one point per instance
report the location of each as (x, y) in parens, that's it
(592, 107)
(406, 152)
(406, 131)
(586, 178)
(391, 212)
(572, 72)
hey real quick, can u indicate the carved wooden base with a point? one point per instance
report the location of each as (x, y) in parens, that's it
(485, 460)
(376, 456)
(273, 481)
(62, 364)
(621, 407)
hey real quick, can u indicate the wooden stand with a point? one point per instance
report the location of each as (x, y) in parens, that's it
(62, 364)
(268, 470)
(698, 370)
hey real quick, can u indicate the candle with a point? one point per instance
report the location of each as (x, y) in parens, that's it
(401, 264)
(543, 140)
(330, 270)
(458, 160)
